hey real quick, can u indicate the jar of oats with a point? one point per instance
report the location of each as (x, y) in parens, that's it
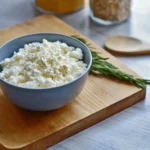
(110, 11)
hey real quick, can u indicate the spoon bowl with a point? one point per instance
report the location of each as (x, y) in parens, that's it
(127, 45)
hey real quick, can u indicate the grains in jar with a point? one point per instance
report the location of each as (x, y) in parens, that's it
(110, 11)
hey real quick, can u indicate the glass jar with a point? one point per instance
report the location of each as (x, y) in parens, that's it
(58, 6)
(109, 12)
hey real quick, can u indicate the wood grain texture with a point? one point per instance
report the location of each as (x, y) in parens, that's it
(101, 98)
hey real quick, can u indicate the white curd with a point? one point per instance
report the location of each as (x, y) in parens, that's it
(43, 65)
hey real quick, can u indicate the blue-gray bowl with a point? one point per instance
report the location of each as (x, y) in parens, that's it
(49, 98)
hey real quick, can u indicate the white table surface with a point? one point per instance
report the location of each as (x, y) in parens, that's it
(128, 130)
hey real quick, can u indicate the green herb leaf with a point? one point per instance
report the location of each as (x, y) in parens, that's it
(101, 66)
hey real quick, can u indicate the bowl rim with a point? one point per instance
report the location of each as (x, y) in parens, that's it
(51, 33)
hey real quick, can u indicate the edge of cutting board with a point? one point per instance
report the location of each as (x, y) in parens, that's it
(81, 125)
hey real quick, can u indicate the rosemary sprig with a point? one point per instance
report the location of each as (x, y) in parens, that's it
(100, 65)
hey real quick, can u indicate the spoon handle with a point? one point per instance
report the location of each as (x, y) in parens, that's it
(142, 50)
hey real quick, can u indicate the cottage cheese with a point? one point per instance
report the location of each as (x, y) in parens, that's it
(43, 65)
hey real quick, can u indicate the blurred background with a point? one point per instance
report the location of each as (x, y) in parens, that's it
(17, 11)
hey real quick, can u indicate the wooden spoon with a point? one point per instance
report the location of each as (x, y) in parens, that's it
(127, 45)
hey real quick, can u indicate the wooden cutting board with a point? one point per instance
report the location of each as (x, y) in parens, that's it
(101, 98)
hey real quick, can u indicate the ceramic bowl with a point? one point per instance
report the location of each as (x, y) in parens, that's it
(47, 98)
